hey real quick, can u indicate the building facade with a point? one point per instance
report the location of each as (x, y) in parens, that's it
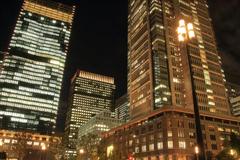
(2, 56)
(90, 94)
(98, 124)
(31, 78)
(158, 65)
(28, 145)
(169, 134)
(122, 108)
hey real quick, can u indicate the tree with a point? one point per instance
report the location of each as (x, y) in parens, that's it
(231, 149)
(21, 147)
(89, 145)
(102, 149)
(224, 155)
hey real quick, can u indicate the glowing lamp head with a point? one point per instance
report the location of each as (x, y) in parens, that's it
(81, 151)
(196, 149)
(191, 34)
(181, 22)
(181, 30)
(181, 38)
(44, 147)
(190, 26)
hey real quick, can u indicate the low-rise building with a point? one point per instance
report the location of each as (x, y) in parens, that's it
(18, 145)
(100, 123)
(168, 134)
(89, 134)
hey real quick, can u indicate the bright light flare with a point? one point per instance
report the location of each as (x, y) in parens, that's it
(196, 149)
(81, 151)
(191, 34)
(44, 147)
(190, 26)
(181, 30)
(181, 38)
(109, 150)
(185, 31)
(181, 22)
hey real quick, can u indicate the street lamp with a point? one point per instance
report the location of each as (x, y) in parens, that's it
(233, 153)
(196, 149)
(186, 34)
(81, 151)
(43, 147)
(110, 151)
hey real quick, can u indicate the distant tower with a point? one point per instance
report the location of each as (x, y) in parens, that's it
(31, 78)
(122, 108)
(90, 94)
(158, 72)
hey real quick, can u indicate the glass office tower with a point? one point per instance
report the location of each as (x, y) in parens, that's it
(31, 79)
(90, 94)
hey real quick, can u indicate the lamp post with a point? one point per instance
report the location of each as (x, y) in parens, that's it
(186, 34)
(233, 153)
(81, 152)
(196, 149)
(43, 148)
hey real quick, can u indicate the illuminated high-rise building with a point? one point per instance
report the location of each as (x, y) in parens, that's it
(90, 94)
(122, 108)
(169, 82)
(158, 66)
(31, 78)
(2, 56)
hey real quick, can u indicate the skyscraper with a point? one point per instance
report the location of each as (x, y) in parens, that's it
(235, 106)
(2, 55)
(158, 67)
(169, 82)
(122, 108)
(31, 78)
(90, 94)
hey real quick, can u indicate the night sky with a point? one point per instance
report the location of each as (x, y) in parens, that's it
(99, 37)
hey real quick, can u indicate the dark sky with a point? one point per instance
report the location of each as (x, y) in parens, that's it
(226, 21)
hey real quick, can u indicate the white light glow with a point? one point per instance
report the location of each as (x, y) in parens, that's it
(181, 22)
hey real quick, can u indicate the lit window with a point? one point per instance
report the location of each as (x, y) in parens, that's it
(136, 149)
(182, 144)
(170, 144)
(169, 133)
(29, 142)
(160, 135)
(181, 134)
(151, 147)
(165, 99)
(35, 143)
(130, 142)
(160, 145)
(6, 140)
(176, 80)
(144, 148)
